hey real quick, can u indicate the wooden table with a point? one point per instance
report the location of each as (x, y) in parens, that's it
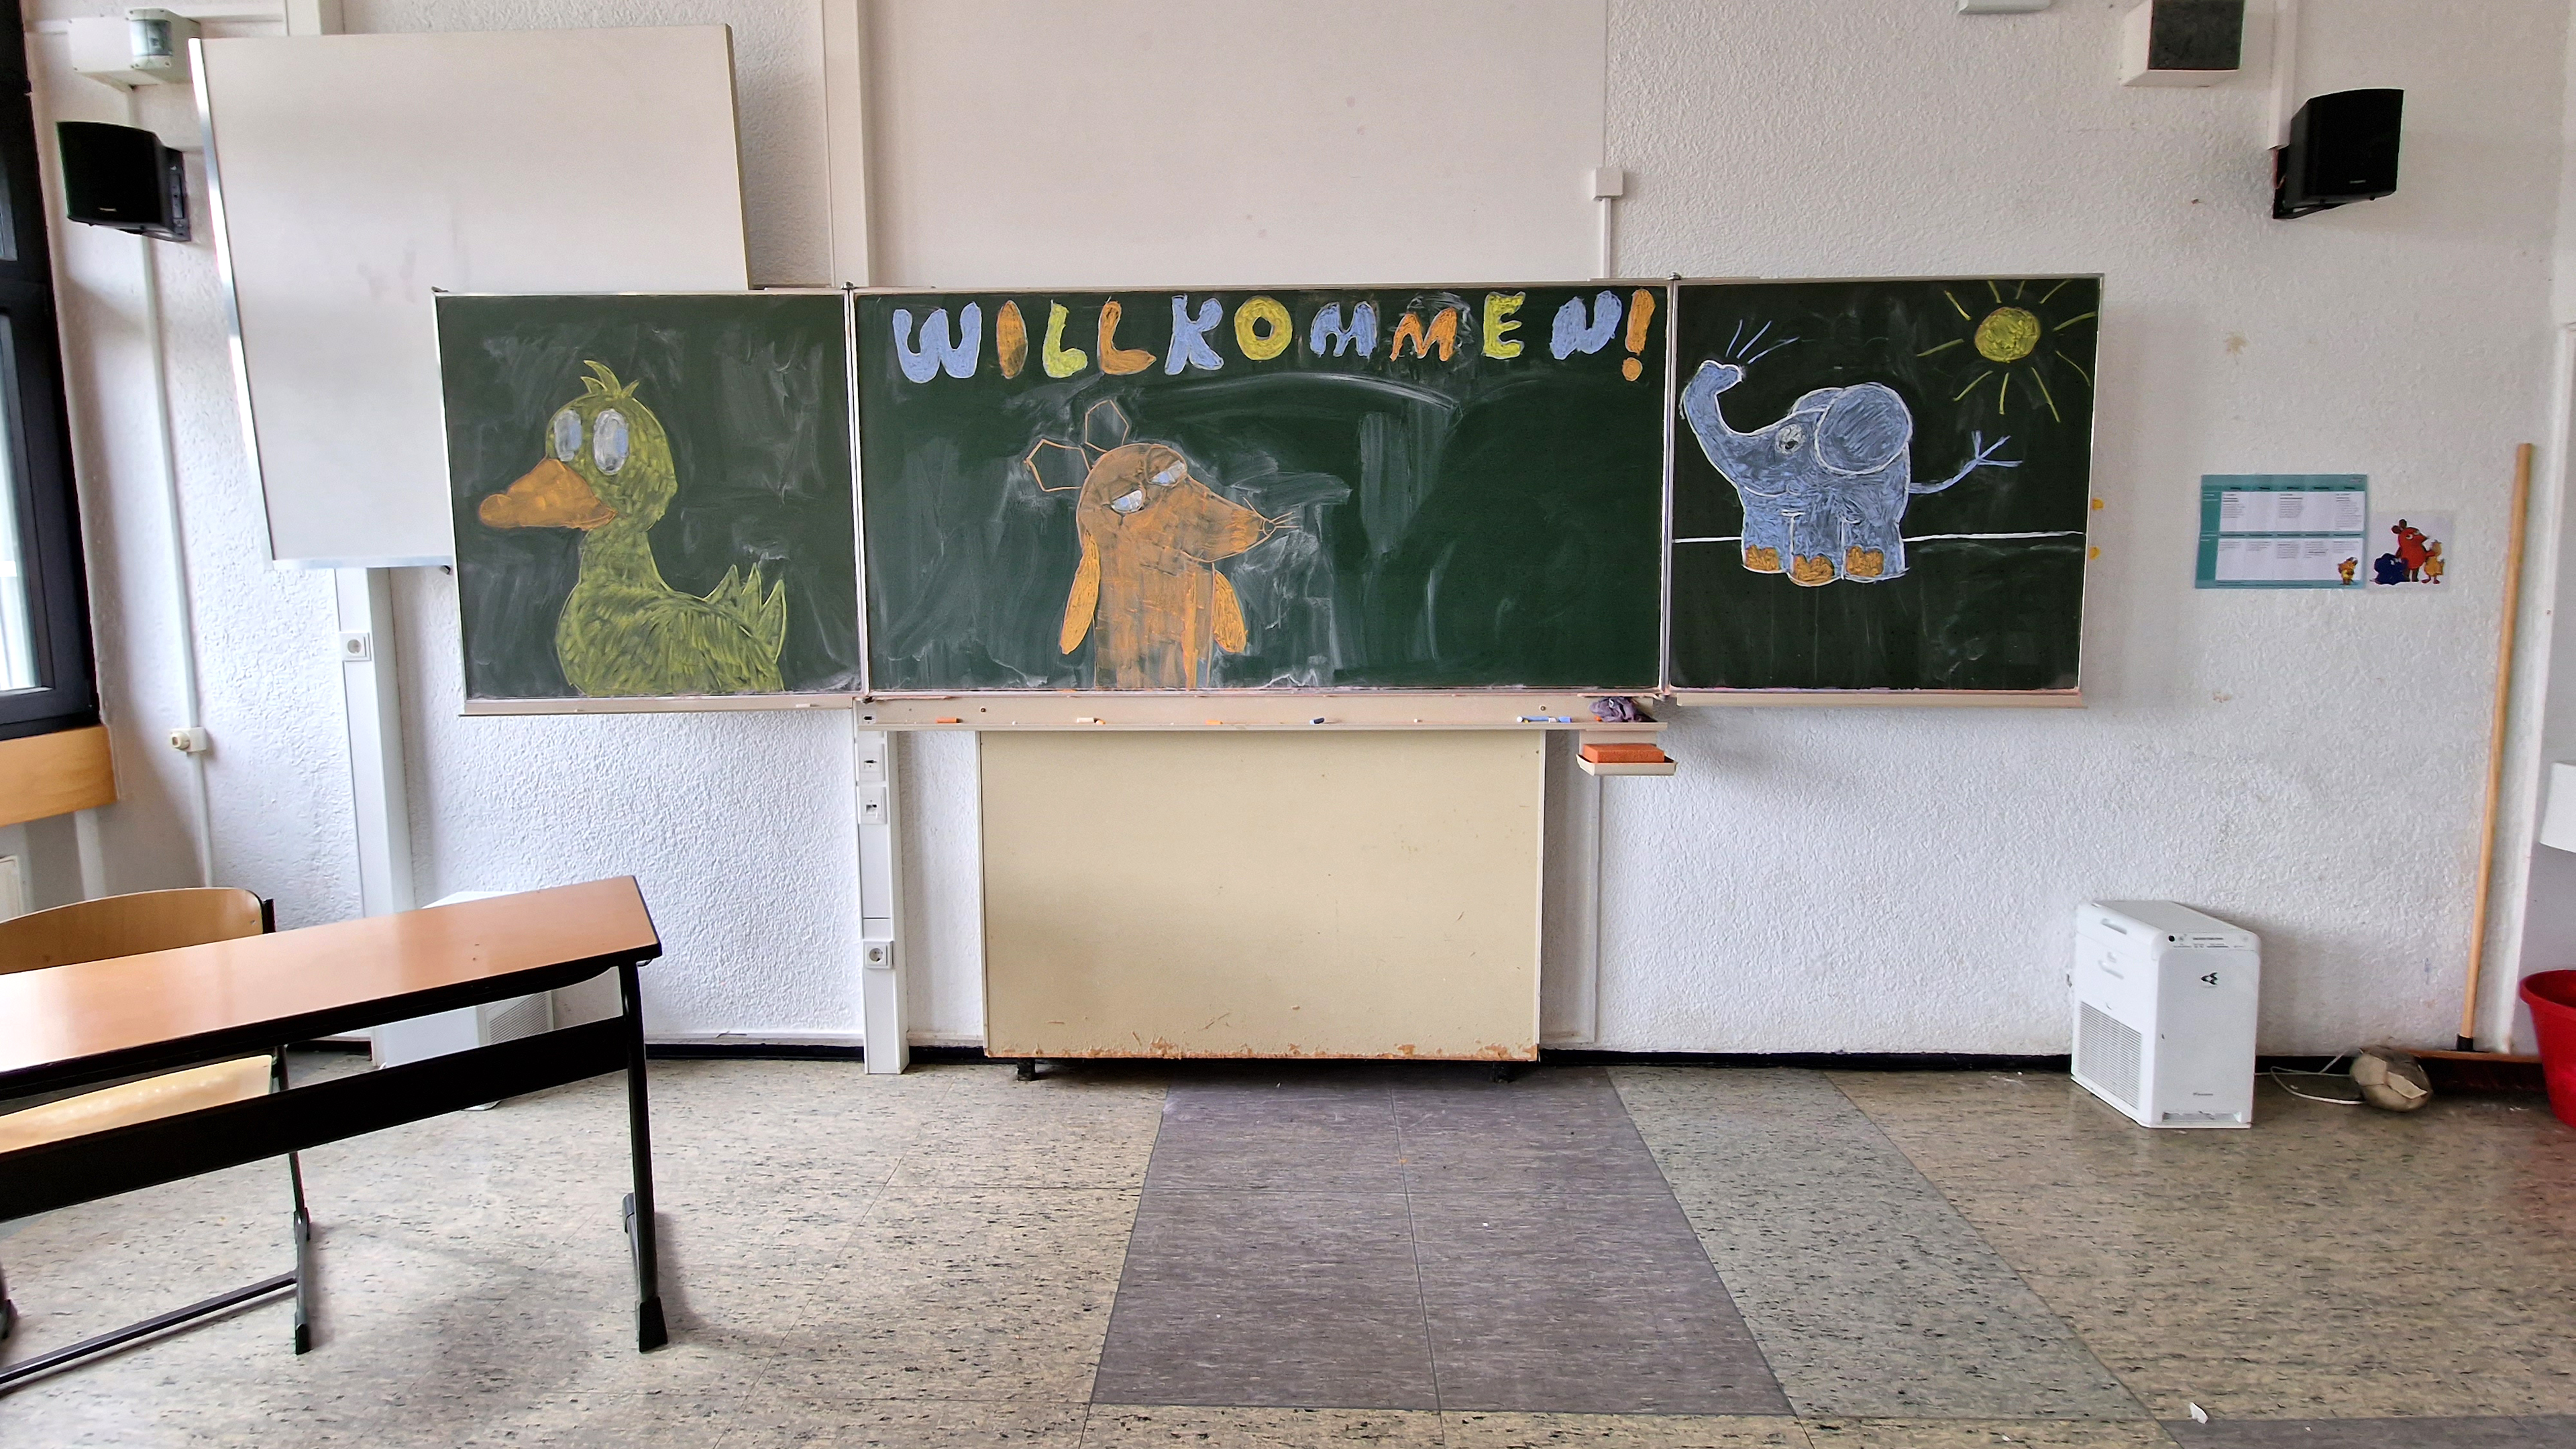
(97, 1021)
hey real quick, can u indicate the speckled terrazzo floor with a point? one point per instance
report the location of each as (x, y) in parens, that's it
(1650, 1256)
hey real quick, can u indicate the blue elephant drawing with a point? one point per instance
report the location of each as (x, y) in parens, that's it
(1824, 489)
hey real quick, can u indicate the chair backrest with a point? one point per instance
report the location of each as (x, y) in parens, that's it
(128, 925)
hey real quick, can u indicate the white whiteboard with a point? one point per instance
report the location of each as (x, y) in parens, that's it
(352, 174)
(1114, 143)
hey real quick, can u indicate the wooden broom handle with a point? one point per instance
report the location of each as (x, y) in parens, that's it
(2495, 740)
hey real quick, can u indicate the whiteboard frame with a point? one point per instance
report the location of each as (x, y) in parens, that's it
(221, 219)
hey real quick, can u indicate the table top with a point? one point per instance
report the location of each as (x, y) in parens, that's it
(94, 1019)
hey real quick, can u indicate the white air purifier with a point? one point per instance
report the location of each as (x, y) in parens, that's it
(2164, 1013)
(397, 1043)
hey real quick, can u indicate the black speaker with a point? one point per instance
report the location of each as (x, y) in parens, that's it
(2343, 148)
(122, 176)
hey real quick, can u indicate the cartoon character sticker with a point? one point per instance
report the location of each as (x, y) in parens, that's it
(2411, 548)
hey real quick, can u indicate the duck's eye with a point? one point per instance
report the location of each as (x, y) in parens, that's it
(608, 441)
(567, 435)
(1789, 438)
(1128, 504)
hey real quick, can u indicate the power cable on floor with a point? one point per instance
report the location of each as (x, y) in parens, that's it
(2277, 1073)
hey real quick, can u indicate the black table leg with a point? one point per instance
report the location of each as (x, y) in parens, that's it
(301, 1223)
(650, 1333)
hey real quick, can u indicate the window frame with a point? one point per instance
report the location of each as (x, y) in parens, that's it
(46, 498)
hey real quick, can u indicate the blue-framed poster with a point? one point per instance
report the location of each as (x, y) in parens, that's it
(2283, 530)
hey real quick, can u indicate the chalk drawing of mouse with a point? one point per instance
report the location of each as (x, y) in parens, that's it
(1147, 592)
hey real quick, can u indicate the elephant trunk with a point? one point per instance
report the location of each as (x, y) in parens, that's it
(1740, 456)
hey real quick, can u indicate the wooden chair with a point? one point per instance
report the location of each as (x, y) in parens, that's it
(131, 925)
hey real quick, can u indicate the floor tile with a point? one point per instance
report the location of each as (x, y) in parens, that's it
(1124, 1426)
(1269, 1299)
(1548, 1130)
(2233, 1269)
(1582, 1304)
(829, 1421)
(1868, 1293)
(1305, 1137)
(1628, 1431)
(978, 1294)
(1985, 1434)
(855, 1260)
(2488, 1432)
(1091, 1129)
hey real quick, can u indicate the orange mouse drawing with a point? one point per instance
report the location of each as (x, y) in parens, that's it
(1147, 591)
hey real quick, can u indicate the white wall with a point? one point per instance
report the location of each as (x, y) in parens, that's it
(2309, 765)
(1814, 879)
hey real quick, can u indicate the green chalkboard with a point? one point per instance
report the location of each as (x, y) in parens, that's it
(652, 494)
(1882, 484)
(1394, 487)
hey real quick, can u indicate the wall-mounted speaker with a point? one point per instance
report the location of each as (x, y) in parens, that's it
(122, 176)
(2343, 148)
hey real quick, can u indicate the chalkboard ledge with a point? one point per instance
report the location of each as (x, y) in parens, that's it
(1377, 710)
(1897, 698)
(659, 704)
(1373, 711)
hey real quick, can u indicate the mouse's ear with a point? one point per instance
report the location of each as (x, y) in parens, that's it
(1104, 427)
(1057, 467)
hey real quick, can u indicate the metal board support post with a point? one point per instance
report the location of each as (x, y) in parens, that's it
(872, 751)
(373, 700)
(881, 1021)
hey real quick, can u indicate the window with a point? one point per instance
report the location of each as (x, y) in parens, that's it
(47, 676)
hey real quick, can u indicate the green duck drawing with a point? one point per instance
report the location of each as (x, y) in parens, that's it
(608, 473)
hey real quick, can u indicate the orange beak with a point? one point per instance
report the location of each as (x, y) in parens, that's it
(550, 496)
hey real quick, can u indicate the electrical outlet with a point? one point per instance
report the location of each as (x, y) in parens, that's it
(877, 955)
(872, 805)
(357, 646)
(192, 740)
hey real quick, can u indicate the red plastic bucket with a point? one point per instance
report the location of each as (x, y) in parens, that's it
(2551, 995)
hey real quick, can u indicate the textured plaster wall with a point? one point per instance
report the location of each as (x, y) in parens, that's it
(2308, 765)
(2548, 936)
(1813, 879)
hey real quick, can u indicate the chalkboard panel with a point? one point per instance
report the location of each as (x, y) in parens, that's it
(1882, 484)
(1374, 488)
(651, 494)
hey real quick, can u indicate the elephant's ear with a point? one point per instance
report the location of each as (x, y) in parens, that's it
(1863, 430)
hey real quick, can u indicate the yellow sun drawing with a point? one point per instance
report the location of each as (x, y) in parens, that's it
(2017, 339)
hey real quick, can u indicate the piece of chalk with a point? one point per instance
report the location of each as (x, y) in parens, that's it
(948, 719)
(1084, 719)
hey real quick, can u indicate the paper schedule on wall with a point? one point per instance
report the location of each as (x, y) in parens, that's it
(2283, 530)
